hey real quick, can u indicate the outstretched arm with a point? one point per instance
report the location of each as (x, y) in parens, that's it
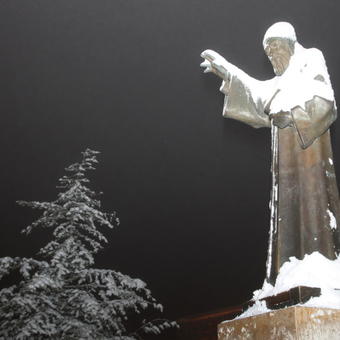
(243, 100)
(216, 64)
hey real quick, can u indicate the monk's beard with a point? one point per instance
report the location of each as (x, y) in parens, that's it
(280, 64)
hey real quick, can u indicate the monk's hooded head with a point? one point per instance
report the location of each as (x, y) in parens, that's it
(278, 43)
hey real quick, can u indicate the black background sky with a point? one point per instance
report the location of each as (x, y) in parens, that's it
(122, 76)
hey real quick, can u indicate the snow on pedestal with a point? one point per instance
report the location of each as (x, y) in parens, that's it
(314, 270)
(292, 323)
(317, 319)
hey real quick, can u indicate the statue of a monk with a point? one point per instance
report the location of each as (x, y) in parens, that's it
(298, 104)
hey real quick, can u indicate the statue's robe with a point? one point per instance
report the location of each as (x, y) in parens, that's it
(305, 209)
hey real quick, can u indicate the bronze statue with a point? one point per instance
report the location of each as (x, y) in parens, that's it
(298, 104)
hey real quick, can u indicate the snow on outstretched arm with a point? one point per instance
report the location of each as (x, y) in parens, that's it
(245, 95)
(217, 64)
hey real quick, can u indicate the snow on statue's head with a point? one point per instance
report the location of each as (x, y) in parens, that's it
(283, 30)
(278, 43)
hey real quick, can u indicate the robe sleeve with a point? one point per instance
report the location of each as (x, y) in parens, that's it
(242, 105)
(320, 111)
(314, 120)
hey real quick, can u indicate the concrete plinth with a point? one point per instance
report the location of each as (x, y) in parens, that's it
(292, 323)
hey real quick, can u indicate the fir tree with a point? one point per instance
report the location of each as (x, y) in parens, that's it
(61, 295)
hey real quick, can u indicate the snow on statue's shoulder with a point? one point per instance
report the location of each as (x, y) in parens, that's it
(306, 76)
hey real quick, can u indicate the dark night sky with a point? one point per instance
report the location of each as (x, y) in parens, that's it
(122, 76)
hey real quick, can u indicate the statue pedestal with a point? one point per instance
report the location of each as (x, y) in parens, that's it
(300, 323)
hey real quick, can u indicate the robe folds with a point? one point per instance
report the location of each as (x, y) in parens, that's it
(305, 206)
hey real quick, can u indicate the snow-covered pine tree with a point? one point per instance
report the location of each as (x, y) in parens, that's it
(63, 296)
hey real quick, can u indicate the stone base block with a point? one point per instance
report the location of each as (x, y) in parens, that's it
(292, 323)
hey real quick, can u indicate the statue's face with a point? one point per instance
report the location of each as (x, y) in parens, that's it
(279, 51)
